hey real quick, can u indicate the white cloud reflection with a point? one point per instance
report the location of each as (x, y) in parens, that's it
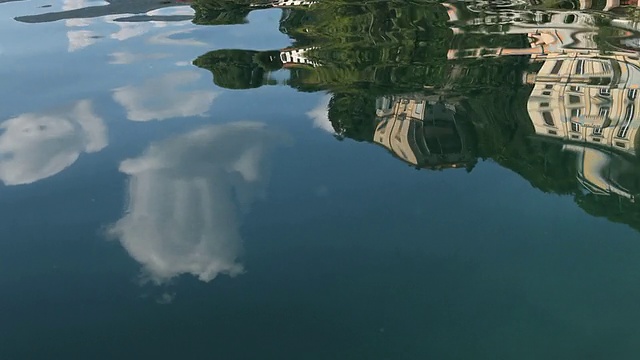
(127, 30)
(160, 99)
(73, 5)
(320, 115)
(80, 39)
(34, 146)
(168, 38)
(185, 198)
(123, 57)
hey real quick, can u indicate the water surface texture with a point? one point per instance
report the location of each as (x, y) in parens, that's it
(331, 179)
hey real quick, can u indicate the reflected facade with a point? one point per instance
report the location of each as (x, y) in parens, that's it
(422, 132)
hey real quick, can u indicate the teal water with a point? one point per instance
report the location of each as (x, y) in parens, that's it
(319, 180)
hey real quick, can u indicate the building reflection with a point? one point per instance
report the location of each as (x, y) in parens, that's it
(599, 123)
(582, 97)
(603, 172)
(423, 132)
(590, 102)
(587, 98)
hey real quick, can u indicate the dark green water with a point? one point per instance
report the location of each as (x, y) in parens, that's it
(330, 180)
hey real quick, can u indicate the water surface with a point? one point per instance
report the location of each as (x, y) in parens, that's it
(319, 180)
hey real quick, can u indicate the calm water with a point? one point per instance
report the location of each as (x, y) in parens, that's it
(338, 179)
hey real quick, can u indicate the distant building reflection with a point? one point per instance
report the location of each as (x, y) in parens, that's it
(603, 172)
(590, 102)
(422, 131)
(582, 96)
(587, 98)
(291, 57)
(292, 3)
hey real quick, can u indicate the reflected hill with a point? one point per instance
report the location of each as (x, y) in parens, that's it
(548, 91)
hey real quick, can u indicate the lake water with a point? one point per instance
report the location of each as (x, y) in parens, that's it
(338, 179)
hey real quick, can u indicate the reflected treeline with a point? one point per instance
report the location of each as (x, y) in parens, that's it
(547, 89)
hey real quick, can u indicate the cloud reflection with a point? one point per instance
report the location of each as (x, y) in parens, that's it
(160, 99)
(169, 38)
(34, 147)
(320, 115)
(80, 39)
(124, 58)
(185, 196)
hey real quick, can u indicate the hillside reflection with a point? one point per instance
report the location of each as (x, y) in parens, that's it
(548, 90)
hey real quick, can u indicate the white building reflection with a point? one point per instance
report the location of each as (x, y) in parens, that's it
(603, 172)
(423, 131)
(185, 199)
(582, 97)
(37, 146)
(590, 98)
